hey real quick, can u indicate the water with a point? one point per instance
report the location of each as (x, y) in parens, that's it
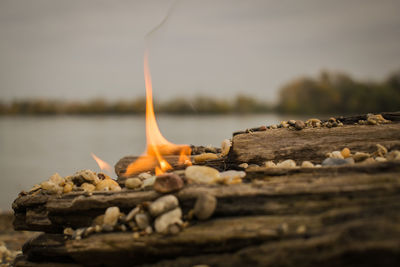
(33, 148)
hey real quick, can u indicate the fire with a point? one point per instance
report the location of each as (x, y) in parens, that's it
(157, 145)
(104, 166)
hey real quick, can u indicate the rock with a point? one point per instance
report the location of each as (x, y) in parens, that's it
(368, 161)
(142, 220)
(99, 220)
(51, 187)
(132, 214)
(56, 179)
(68, 188)
(360, 156)
(163, 204)
(88, 187)
(337, 161)
(133, 183)
(144, 176)
(204, 157)
(168, 182)
(83, 176)
(393, 155)
(149, 182)
(284, 124)
(68, 231)
(380, 159)
(286, 164)
(292, 122)
(103, 176)
(345, 152)
(269, 164)
(111, 216)
(299, 125)
(174, 229)
(373, 119)
(149, 230)
(302, 229)
(171, 217)
(381, 150)
(307, 164)
(231, 177)
(205, 206)
(243, 165)
(108, 185)
(225, 147)
(313, 122)
(202, 174)
(335, 155)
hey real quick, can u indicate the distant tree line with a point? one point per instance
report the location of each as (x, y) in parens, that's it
(333, 93)
(336, 93)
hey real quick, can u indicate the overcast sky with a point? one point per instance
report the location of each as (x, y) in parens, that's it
(80, 49)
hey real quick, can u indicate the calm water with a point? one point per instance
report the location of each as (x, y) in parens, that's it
(33, 148)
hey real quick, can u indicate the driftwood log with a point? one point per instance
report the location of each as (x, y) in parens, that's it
(334, 216)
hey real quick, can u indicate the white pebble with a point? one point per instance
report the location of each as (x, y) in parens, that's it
(202, 174)
(111, 216)
(307, 164)
(289, 163)
(270, 164)
(225, 147)
(163, 221)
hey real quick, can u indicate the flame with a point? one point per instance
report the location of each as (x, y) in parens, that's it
(104, 166)
(157, 145)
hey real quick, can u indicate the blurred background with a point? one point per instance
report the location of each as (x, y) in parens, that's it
(71, 73)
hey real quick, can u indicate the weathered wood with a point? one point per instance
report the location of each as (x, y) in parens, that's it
(311, 143)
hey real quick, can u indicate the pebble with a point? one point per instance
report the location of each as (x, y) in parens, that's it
(337, 161)
(269, 164)
(163, 204)
(225, 147)
(149, 230)
(88, 187)
(132, 214)
(336, 155)
(289, 163)
(205, 206)
(204, 157)
(284, 124)
(307, 164)
(83, 176)
(243, 165)
(108, 185)
(142, 220)
(51, 187)
(314, 122)
(368, 161)
(99, 220)
(381, 150)
(360, 156)
(133, 183)
(68, 231)
(145, 175)
(301, 229)
(171, 217)
(56, 179)
(345, 152)
(393, 155)
(231, 177)
(274, 126)
(111, 216)
(149, 182)
(299, 125)
(168, 182)
(67, 188)
(174, 229)
(202, 174)
(380, 159)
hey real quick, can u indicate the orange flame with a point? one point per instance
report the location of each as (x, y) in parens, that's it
(157, 145)
(104, 166)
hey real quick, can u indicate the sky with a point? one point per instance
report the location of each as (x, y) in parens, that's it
(84, 49)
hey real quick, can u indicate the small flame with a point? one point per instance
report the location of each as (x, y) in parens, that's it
(157, 145)
(104, 166)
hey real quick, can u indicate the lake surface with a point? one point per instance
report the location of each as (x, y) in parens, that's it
(33, 148)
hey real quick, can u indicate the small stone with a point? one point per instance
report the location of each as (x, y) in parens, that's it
(269, 164)
(90, 230)
(289, 163)
(103, 176)
(336, 155)
(332, 119)
(136, 235)
(368, 161)
(307, 164)
(299, 125)
(171, 217)
(108, 185)
(274, 126)
(97, 228)
(68, 231)
(144, 176)
(56, 179)
(168, 182)
(337, 161)
(133, 183)
(380, 159)
(111, 216)
(225, 147)
(284, 124)
(292, 122)
(142, 220)
(149, 230)
(132, 214)
(345, 152)
(202, 174)
(174, 229)
(133, 226)
(83, 176)
(204, 157)
(149, 182)
(283, 228)
(301, 229)
(381, 150)
(163, 204)
(231, 177)
(205, 206)
(360, 156)
(67, 188)
(78, 233)
(393, 155)
(313, 122)
(99, 220)
(51, 187)
(88, 187)
(243, 165)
